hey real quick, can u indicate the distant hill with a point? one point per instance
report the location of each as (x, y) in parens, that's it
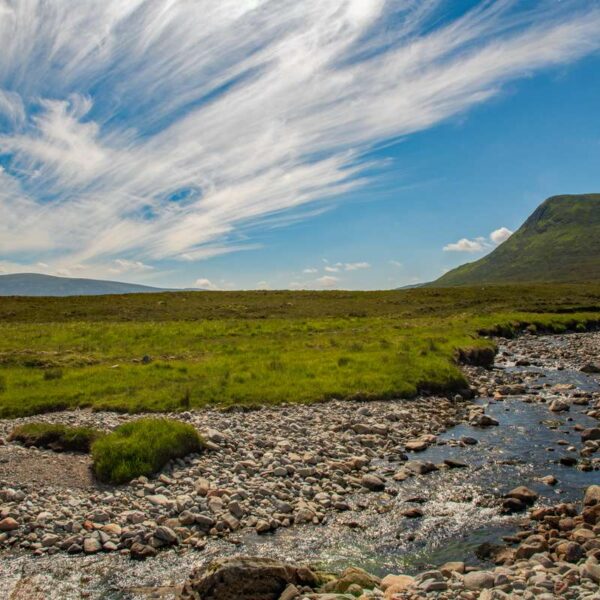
(559, 242)
(34, 284)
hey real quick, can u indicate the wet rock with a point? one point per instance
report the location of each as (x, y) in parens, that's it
(245, 579)
(590, 368)
(524, 494)
(372, 483)
(455, 464)
(592, 495)
(483, 420)
(420, 467)
(416, 445)
(590, 434)
(352, 576)
(559, 406)
(140, 551)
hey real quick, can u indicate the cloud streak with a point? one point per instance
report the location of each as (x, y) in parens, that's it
(162, 130)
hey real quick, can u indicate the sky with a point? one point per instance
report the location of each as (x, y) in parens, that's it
(322, 144)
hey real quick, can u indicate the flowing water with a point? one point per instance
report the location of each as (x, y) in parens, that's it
(460, 509)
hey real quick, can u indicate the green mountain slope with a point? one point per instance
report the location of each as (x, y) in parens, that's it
(559, 242)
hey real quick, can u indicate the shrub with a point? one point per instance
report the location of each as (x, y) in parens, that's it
(56, 437)
(51, 374)
(142, 447)
(185, 402)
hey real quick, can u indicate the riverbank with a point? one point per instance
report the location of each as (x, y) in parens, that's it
(400, 511)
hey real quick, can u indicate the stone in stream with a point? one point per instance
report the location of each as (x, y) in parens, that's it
(592, 495)
(523, 494)
(590, 368)
(590, 434)
(483, 420)
(452, 463)
(245, 579)
(420, 467)
(559, 406)
(416, 445)
(372, 483)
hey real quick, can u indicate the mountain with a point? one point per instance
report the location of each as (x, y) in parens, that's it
(34, 284)
(559, 242)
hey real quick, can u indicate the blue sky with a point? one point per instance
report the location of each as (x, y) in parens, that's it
(323, 144)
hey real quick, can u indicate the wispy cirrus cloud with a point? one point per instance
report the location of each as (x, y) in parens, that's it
(160, 129)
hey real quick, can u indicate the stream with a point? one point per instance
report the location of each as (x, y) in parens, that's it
(460, 508)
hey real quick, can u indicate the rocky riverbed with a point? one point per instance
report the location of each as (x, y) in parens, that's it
(395, 487)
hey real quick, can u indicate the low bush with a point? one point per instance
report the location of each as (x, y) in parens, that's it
(51, 374)
(142, 447)
(56, 437)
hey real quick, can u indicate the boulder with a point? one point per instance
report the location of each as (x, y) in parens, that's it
(592, 495)
(245, 579)
(398, 582)
(372, 483)
(8, 524)
(523, 494)
(416, 445)
(353, 576)
(484, 421)
(590, 434)
(559, 406)
(590, 368)
(479, 580)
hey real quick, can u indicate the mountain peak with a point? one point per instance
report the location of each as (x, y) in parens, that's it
(559, 242)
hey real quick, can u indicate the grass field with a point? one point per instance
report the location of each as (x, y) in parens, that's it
(165, 352)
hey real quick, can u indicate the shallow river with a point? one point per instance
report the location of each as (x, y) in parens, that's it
(460, 510)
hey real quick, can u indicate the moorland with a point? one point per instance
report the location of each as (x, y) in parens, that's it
(176, 351)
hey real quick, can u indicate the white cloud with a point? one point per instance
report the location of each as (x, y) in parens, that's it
(310, 270)
(466, 245)
(396, 263)
(356, 266)
(263, 285)
(327, 281)
(500, 235)
(122, 265)
(481, 243)
(331, 269)
(110, 150)
(205, 284)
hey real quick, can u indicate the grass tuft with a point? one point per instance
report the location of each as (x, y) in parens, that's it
(56, 437)
(142, 447)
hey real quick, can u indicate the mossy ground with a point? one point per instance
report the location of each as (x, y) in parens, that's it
(249, 348)
(142, 447)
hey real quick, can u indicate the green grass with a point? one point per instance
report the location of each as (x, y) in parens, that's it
(223, 349)
(142, 447)
(56, 437)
